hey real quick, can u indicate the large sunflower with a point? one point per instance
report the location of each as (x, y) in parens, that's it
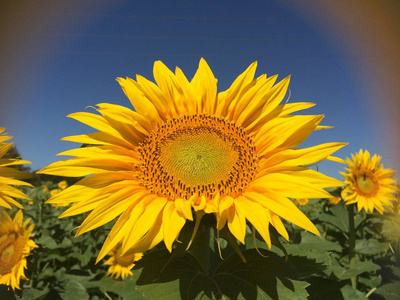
(186, 151)
(368, 184)
(10, 176)
(15, 246)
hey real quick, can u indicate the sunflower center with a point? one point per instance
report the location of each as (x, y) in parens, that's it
(11, 247)
(197, 154)
(366, 183)
(198, 158)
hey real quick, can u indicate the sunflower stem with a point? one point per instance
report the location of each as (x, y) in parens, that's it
(352, 243)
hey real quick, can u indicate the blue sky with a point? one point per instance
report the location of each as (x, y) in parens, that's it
(62, 58)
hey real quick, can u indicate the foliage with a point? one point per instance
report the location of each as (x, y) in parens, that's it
(305, 267)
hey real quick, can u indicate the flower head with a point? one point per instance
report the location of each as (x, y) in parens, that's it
(186, 151)
(302, 201)
(10, 176)
(54, 192)
(15, 246)
(368, 183)
(62, 185)
(121, 265)
(45, 188)
(334, 200)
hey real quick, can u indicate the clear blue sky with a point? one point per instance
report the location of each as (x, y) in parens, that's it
(59, 59)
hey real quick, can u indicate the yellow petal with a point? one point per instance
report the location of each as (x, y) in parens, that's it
(232, 95)
(144, 222)
(139, 101)
(205, 88)
(184, 207)
(237, 223)
(256, 214)
(112, 207)
(284, 208)
(285, 132)
(172, 224)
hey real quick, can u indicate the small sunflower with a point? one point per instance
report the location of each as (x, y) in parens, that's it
(55, 192)
(302, 201)
(15, 246)
(10, 176)
(368, 184)
(185, 151)
(62, 185)
(45, 188)
(334, 200)
(121, 265)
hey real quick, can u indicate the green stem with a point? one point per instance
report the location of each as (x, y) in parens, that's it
(352, 243)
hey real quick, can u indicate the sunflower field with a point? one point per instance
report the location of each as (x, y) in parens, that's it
(191, 193)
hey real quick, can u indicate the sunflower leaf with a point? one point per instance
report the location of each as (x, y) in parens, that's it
(371, 247)
(389, 290)
(74, 290)
(351, 293)
(359, 268)
(262, 277)
(322, 288)
(126, 289)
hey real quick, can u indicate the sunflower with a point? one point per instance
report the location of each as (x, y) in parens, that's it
(334, 200)
(121, 265)
(368, 184)
(62, 185)
(185, 151)
(302, 201)
(10, 176)
(15, 246)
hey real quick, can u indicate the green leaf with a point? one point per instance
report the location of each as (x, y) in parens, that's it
(371, 247)
(395, 271)
(350, 293)
(391, 228)
(32, 293)
(371, 281)
(159, 279)
(265, 276)
(321, 288)
(46, 273)
(46, 241)
(359, 268)
(54, 255)
(312, 241)
(314, 247)
(305, 267)
(261, 277)
(233, 287)
(338, 217)
(79, 278)
(124, 288)
(389, 290)
(297, 291)
(74, 290)
(84, 258)
(336, 268)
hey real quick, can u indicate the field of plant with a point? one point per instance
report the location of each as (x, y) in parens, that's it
(63, 266)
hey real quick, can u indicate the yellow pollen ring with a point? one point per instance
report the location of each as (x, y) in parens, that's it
(366, 183)
(197, 154)
(198, 158)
